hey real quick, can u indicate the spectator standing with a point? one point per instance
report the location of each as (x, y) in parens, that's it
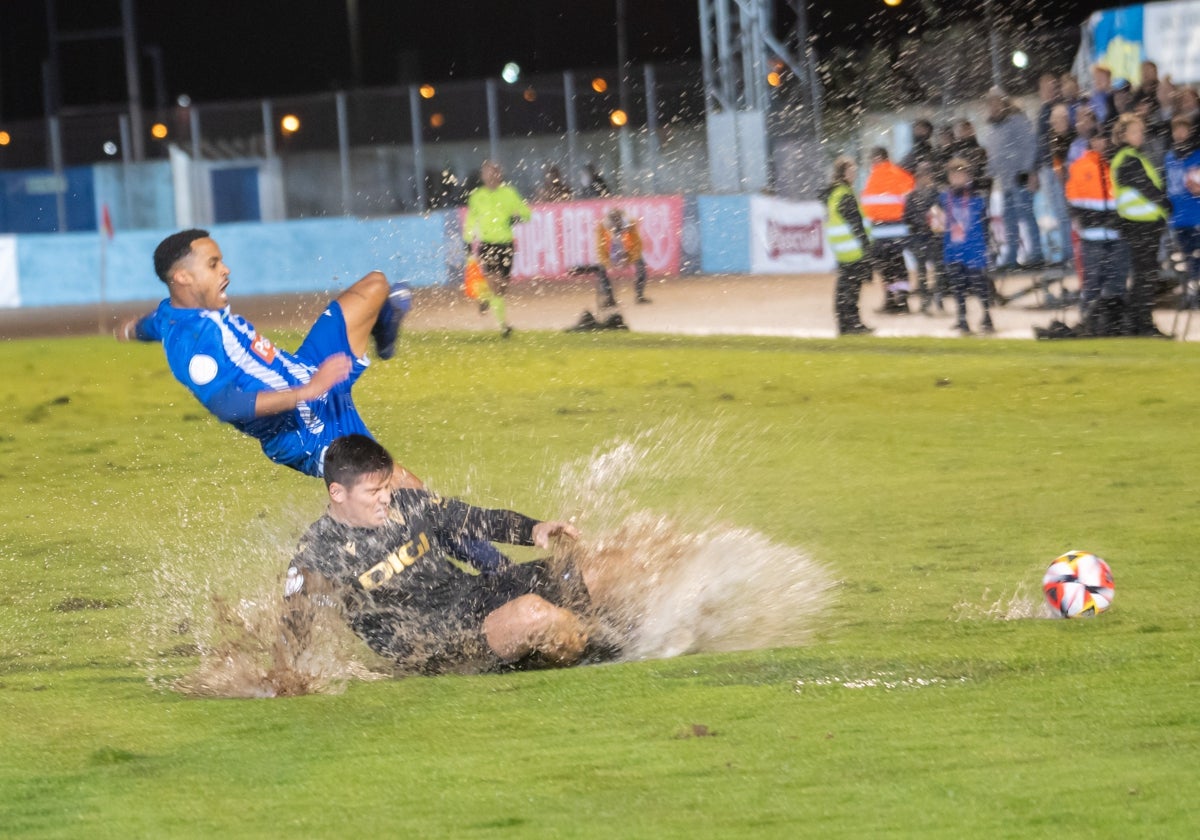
(1143, 207)
(850, 244)
(594, 185)
(1104, 256)
(553, 187)
(1121, 99)
(1068, 88)
(1049, 161)
(1054, 177)
(1049, 96)
(966, 146)
(1100, 96)
(1183, 188)
(922, 150)
(1012, 155)
(944, 146)
(1086, 126)
(924, 244)
(883, 196)
(964, 219)
(1148, 87)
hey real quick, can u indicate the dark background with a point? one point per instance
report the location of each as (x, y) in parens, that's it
(233, 49)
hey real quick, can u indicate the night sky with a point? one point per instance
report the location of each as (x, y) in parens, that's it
(233, 49)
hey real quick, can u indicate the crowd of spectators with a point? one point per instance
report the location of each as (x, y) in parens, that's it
(1143, 135)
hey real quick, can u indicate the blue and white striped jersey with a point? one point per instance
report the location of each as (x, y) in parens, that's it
(225, 362)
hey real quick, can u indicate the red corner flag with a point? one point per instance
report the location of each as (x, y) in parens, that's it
(106, 224)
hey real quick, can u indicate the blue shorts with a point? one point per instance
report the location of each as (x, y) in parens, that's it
(338, 414)
(328, 337)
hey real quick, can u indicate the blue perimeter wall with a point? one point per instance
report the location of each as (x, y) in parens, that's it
(310, 255)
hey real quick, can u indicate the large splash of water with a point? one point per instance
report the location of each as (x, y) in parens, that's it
(664, 583)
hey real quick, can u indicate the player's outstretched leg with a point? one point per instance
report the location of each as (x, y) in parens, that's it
(372, 307)
(531, 624)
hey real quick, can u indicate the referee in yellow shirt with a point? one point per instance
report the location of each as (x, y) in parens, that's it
(492, 210)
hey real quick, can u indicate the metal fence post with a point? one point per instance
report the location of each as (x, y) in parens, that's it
(493, 107)
(60, 177)
(652, 148)
(572, 123)
(414, 109)
(343, 130)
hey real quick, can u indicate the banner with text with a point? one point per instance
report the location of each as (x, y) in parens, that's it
(10, 290)
(788, 237)
(561, 237)
(1166, 33)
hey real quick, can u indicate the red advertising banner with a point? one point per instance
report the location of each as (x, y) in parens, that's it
(562, 236)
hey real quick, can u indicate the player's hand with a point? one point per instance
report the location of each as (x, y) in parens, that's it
(126, 330)
(543, 532)
(333, 371)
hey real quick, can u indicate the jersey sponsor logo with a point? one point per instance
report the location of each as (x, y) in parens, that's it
(394, 563)
(263, 348)
(202, 369)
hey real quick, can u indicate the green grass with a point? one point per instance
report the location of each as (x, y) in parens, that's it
(935, 479)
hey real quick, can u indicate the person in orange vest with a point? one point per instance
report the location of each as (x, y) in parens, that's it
(618, 243)
(1093, 205)
(882, 200)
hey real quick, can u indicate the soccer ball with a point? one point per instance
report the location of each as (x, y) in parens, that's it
(1077, 584)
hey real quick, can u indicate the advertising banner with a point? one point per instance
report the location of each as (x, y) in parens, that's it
(562, 236)
(10, 290)
(1166, 33)
(788, 237)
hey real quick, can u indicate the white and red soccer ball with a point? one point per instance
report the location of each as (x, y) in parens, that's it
(1078, 584)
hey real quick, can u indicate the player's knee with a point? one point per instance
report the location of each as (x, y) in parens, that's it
(374, 284)
(533, 612)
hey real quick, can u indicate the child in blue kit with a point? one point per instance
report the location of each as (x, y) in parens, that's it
(964, 218)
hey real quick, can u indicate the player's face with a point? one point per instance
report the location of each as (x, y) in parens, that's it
(365, 504)
(203, 276)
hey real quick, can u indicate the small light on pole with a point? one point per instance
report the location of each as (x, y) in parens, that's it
(1020, 59)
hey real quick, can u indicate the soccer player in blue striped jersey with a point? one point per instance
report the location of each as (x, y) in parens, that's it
(294, 404)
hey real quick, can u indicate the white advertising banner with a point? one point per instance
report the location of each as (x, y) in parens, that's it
(1171, 39)
(788, 237)
(10, 288)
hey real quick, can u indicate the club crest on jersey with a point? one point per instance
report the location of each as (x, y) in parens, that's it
(263, 348)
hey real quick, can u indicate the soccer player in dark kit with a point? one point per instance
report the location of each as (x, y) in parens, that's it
(381, 556)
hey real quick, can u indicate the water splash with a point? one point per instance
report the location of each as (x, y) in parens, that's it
(685, 582)
(1020, 604)
(663, 584)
